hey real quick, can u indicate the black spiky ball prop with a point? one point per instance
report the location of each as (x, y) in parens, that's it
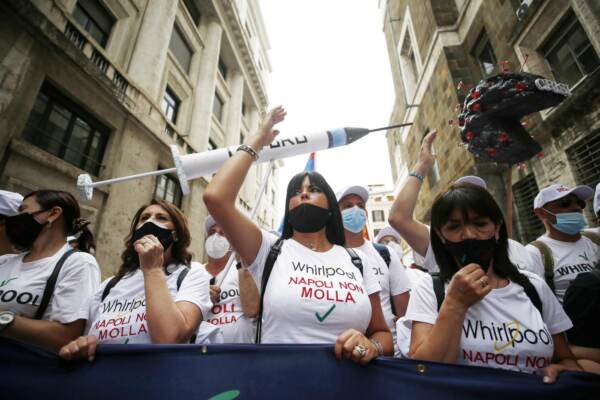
(490, 119)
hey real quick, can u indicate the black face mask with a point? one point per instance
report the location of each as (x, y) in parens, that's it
(473, 251)
(308, 218)
(164, 235)
(22, 229)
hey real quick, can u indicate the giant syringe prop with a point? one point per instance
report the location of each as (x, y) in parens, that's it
(193, 166)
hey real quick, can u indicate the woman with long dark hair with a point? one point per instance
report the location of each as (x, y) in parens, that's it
(313, 290)
(480, 310)
(45, 285)
(157, 296)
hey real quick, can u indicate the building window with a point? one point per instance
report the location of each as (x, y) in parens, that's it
(190, 5)
(170, 105)
(218, 107)
(524, 191)
(241, 138)
(180, 49)
(95, 19)
(272, 197)
(63, 129)
(484, 53)
(167, 188)
(378, 215)
(211, 145)
(408, 66)
(569, 52)
(222, 68)
(584, 156)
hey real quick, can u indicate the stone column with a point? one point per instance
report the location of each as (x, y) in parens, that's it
(234, 108)
(204, 93)
(254, 120)
(150, 53)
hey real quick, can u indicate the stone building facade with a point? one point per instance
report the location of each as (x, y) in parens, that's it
(434, 45)
(105, 86)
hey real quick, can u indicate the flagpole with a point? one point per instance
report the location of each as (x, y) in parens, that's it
(251, 216)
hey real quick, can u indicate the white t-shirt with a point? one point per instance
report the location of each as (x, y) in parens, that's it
(228, 314)
(313, 297)
(503, 330)
(393, 280)
(570, 258)
(517, 253)
(22, 285)
(121, 317)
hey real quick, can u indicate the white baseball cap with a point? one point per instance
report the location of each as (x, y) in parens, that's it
(597, 200)
(387, 231)
(557, 191)
(9, 203)
(209, 222)
(473, 180)
(358, 190)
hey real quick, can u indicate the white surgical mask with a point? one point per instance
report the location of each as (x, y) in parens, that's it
(216, 246)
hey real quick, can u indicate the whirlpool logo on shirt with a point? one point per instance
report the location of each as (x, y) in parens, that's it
(504, 335)
(9, 296)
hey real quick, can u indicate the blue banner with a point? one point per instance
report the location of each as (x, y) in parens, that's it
(221, 372)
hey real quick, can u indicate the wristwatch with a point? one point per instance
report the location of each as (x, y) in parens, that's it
(6, 318)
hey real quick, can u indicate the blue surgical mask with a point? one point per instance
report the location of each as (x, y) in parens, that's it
(354, 219)
(570, 223)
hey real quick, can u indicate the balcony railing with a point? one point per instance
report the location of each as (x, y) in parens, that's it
(133, 98)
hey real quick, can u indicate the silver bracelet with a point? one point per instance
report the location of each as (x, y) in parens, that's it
(249, 150)
(378, 346)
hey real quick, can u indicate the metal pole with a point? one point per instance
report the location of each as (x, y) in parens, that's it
(251, 216)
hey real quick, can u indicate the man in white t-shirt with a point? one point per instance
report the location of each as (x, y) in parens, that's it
(563, 252)
(391, 274)
(9, 206)
(234, 292)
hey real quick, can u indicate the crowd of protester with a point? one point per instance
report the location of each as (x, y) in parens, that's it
(465, 293)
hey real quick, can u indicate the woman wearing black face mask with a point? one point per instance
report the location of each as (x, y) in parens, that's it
(33, 308)
(157, 296)
(314, 293)
(480, 310)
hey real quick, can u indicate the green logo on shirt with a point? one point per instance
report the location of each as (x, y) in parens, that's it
(322, 318)
(585, 257)
(5, 282)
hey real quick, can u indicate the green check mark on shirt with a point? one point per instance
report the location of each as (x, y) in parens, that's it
(321, 319)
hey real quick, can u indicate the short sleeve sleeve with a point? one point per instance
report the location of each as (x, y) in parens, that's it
(258, 265)
(370, 281)
(77, 282)
(429, 262)
(535, 257)
(422, 306)
(399, 282)
(554, 315)
(194, 288)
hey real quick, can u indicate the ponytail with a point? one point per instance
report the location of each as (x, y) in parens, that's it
(85, 241)
(71, 215)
